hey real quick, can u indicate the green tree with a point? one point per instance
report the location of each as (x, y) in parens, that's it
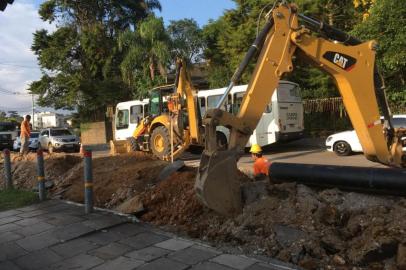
(146, 49)
(80, 60)
(187, 40)
(386, 24)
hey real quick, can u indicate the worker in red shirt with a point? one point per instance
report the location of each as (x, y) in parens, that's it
(261, 164)
(25, 135)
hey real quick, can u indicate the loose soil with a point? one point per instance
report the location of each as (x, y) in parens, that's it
(313, 228)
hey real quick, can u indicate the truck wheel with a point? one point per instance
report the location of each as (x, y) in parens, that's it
(221, 141)
(342, 148)
(133, 144)
(160, 142)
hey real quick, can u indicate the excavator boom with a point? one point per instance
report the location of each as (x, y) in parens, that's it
(350, 62)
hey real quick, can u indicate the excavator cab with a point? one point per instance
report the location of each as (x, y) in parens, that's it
(350, 62)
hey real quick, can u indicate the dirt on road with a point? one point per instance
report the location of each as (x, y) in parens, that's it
(313, 228)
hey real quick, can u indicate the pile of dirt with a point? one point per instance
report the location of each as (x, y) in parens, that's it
(316, 229)
(115, 179)
(24, 169)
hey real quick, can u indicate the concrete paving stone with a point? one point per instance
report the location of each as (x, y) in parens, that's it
(35, 229)
(210, 266)
(9, 266)
(28, 221)
(74, 247)
(9, 227)
(233, 261)
(80, 262)
(32, 213)
(143, 240)
(60, 219)
(192, 255)
(111, 251)
(10, 250)
(104, 222)
(261, 266)
(72, 231)
(9, 219)
(9, 213)
(103, 237)
(174, 244)
(29, 208)
(38, 259)
(49, 203)
(121, 263)
(163, 264)
(148, 254)
(38, 241)
(128, 229)
(58, 208)
(9, 236)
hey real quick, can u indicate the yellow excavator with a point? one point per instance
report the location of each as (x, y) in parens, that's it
(173, 123)
(349, 61)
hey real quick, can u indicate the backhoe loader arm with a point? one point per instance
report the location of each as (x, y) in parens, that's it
(351, 64)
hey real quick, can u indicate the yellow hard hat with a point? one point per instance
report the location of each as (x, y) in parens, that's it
(255, 149)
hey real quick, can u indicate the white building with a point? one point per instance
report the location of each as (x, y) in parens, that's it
(49, 119)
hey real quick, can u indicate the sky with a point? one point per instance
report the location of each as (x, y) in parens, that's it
(18, 64)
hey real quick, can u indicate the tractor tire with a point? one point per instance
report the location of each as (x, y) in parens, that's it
(133, 144)
(160, 142)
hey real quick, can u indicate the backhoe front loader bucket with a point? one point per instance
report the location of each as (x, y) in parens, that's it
(217, 184)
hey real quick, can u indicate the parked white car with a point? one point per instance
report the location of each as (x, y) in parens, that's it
(347, 142)
(33, 142)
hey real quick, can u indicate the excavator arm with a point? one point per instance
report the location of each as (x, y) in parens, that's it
(350, 62)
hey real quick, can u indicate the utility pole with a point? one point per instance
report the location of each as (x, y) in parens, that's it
(33, 111)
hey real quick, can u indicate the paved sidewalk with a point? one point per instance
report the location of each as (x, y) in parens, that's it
(58, 235)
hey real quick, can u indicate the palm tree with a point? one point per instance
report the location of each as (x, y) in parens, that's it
(146, 49)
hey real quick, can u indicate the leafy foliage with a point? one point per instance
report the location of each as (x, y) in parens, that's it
(146, 49)
(187, 41)
(80, 60)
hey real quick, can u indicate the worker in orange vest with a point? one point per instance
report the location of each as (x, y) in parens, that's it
(25, 135)
(261, 164)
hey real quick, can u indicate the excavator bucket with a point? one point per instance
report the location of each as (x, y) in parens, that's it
(217, 184)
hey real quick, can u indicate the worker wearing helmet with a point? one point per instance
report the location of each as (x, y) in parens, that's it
(261, 164)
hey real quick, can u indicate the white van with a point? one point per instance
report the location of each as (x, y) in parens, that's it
(281, 121)
(128, 115)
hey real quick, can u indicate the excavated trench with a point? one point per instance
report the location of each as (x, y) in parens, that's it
(313, 228)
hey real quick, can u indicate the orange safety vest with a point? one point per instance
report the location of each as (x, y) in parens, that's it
(25, 129)
(261, 166)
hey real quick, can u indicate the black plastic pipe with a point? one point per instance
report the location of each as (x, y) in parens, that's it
(382, 180)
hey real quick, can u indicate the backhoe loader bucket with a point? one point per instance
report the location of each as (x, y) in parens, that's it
(217, 184)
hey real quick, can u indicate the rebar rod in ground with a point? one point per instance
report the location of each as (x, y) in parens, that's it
(7, 169)
(41, 175)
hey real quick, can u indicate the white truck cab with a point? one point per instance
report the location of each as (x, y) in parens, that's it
(128, 114)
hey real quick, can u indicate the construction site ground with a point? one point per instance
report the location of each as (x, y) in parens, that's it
(305, 226)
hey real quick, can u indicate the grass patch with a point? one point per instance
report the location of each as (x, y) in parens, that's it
(15, 198)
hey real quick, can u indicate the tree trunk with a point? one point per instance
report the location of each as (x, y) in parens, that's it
(152, 69)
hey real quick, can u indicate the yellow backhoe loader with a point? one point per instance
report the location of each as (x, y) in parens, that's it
(173, 122)
(349, 61)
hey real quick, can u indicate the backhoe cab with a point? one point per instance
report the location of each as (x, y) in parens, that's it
(349, 61)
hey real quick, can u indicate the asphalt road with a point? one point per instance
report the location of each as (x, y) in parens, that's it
(307, 151)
